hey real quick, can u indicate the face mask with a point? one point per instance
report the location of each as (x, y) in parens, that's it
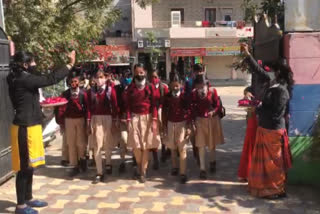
(140, 78)
(140, 84)
(155, 81)
(100, 82)
(176, 92)
(202, 92)
(74, 85)
(32, 69)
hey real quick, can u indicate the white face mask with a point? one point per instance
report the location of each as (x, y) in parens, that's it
(176, 93)
(100, 82)
(140, 84)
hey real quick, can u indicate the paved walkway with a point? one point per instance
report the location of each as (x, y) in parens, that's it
(162, 193)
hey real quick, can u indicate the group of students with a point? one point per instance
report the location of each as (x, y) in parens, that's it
(141, 115)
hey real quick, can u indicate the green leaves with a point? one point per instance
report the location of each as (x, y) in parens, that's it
(48, 28)
(144, 3)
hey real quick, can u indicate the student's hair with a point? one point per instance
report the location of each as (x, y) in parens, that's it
(200, 79)
(283, 73)
(139, 65)
(174, 77)
(23, 57)
(99, 71)
(19, 59)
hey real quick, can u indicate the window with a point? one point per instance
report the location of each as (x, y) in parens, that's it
(210, 15)
(227, 14)
(181, 10)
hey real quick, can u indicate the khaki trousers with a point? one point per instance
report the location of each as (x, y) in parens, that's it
(76, 139)
(102, 139)
(65, 149)
(123, 140)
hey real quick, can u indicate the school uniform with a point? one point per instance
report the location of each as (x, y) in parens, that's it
(160, 91)
(141, 110)
(175, 116)
(209, 130)
(75, 124)
(102, 111)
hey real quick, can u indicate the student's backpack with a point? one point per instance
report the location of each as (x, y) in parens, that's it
(222, 109)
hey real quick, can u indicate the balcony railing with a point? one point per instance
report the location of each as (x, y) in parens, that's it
(185, 24)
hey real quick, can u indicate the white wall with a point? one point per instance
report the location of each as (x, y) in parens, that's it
(218, 67)
(142, 18)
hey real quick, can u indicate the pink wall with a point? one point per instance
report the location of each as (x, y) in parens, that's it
(303, 53)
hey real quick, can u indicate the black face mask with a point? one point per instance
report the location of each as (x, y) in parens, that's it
(140, 78)
(32, 69)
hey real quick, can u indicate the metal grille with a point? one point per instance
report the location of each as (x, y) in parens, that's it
(6, 112)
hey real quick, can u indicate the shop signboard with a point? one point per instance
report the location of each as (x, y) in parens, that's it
(188, 52)
(113, 54)
(157, 43)
(223, 51)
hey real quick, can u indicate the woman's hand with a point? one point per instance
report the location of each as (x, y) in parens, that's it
(248, 95)
(72, 57)
(245, 49)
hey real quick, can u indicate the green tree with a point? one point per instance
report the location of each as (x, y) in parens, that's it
(144, 3)
(273, 8)
(154, 51)
(250, 8)
(49, 28)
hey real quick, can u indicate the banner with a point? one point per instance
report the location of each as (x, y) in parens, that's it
(113, 54)
(188, 52)
(223, 51)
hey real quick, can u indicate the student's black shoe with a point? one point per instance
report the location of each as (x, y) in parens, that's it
(183, 179)
(73, 172)
(109, 169)
(64, 163)
(213, 167)
(97, 179)
(122, 167)
(174, 171)
(83, 165)
(142, 179)
(203, 175)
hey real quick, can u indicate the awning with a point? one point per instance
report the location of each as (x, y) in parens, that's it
(114, 55)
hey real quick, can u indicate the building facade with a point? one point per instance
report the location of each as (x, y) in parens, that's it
(189, 32)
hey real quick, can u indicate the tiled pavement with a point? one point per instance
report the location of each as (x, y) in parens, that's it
(119, 194)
